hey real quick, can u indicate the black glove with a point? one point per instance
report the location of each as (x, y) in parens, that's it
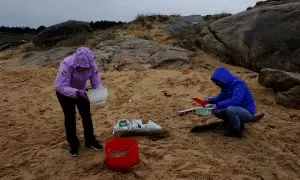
(81, 94)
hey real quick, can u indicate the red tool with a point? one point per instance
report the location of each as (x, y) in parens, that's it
(200, 102)
(192, 110)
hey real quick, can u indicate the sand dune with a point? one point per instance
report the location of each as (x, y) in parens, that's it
(32, 137)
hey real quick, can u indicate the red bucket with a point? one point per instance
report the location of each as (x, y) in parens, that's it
(121, 154)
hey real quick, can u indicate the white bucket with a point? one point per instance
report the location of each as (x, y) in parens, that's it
(98, 96)
(204, 111)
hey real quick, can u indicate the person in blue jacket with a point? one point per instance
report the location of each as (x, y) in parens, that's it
(235, 103)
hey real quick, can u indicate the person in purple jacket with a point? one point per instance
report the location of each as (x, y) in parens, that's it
(70, 87)
(234, 104)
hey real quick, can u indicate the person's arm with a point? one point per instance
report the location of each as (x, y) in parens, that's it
(215, 99)
(63, 82)
(96, 80)
(236, 99)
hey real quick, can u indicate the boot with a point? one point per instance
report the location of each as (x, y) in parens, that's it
(242, 125)
(73, 149)
(234, 133)
(94, 145)
(206, 127)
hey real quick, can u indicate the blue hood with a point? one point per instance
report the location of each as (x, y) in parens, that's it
(223, 75)
(234, 91)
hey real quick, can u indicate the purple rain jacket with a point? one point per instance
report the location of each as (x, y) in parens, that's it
(69, 81)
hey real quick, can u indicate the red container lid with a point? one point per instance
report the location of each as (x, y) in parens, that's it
(199, 101)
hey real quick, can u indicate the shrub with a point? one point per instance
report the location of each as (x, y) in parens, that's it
(76, 40)
(109, 34)
(92, 43)
(262, 2)
(28, 54)
(211, 18)
(148, 26)
(27, 47)
(145, 37)
(6, 55)
(151, 17)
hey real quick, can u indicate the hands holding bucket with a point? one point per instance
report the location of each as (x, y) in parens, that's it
(204, 103)
(97, 96)
(81, 94)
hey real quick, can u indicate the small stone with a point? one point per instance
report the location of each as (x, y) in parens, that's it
(252, 76)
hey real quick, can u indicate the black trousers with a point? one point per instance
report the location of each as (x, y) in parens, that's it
(68, 106)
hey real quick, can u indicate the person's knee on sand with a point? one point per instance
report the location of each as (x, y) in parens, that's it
(234, 119)
(220, 113)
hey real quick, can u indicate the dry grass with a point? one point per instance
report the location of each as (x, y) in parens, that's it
(100, 36)
(156, 33)
(28, 54)
(145, 37)
(92, 43)
(151, 27)
(211, 18)
(8, 54)
(141, 18)
(109, 34)
(27, 47)
(150, 31)
(77, 40)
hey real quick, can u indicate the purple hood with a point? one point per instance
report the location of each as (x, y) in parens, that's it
(69, 81)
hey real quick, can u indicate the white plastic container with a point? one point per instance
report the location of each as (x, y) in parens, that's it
(152, 125)
(204, 111)
(98, 96)
(134, 124)
(137, 124)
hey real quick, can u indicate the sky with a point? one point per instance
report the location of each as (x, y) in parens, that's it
(34, 13)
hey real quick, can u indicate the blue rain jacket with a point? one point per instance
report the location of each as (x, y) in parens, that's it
(234, 91)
